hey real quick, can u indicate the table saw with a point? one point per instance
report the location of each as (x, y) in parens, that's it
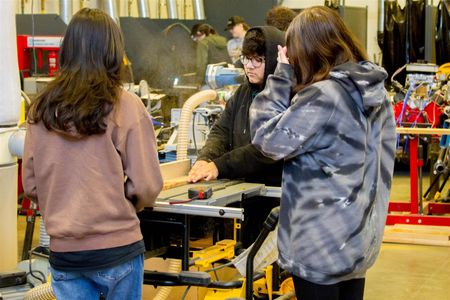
(164, 214)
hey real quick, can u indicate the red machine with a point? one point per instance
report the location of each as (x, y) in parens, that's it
(418, 211)
(43, 49)
(430, 114)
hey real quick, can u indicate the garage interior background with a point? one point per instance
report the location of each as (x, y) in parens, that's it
(218, 11)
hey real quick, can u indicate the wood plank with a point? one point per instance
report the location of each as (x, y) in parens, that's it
(415, 240)
(417, 234)
(175, 169)
(420, 235)
(176, 182)
(416, 130)
(423, 228)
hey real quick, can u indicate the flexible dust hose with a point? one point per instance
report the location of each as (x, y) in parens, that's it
(44, 238)
(185, 120)
(25, 96)
(164, 291)
(41, 292)
(16, 142)
(287, 296)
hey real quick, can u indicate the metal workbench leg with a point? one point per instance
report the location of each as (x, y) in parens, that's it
(186, 237)
(413, 171)
(29, 232)
(420, 166)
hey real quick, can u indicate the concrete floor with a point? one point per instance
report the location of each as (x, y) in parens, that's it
(402, 272)
(410, 272)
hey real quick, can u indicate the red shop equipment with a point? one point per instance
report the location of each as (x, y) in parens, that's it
(42, 51)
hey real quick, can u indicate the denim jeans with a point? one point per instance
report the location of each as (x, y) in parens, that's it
(120, 282)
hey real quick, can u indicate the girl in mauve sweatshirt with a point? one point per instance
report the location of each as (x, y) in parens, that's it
(90, 162)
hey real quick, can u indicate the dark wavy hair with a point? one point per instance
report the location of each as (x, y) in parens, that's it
(254, 44)
(88, 83)
(318, 40)
(202, 28)
(206, 29)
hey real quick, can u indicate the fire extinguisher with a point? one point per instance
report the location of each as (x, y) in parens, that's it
(52, 63)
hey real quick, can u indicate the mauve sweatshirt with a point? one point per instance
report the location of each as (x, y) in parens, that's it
(89, 188)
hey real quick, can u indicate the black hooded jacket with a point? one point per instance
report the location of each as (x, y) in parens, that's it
(229, 142)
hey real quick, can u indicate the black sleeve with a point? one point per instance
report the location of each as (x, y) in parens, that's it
(232, 163)
(242, 162)
(218, 141)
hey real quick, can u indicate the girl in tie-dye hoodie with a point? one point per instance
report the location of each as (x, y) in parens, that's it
(325, 112)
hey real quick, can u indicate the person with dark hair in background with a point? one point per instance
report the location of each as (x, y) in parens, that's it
(228, 152)
(91, 163)
(237, 28)
(195, 33)
(325, 112)
(280, 17)
(211, 48)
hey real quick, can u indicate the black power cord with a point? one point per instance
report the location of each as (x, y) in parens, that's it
(185, 293)
(32, 272)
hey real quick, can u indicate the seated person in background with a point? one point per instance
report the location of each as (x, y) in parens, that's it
(211, 48)
(237, 28)
(228, 152)
(280, 17)
(194, 31)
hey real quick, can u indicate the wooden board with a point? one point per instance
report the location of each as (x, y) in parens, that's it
(418, 235)
(175, 173)
(175, 169)
(423, 228)
(416, 130)
(175, 182)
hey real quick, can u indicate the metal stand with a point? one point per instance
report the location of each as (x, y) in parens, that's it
(269, 225)
(186, 236)
(29, 232)
(414, 209)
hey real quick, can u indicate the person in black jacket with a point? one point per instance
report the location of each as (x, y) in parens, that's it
(228, 152)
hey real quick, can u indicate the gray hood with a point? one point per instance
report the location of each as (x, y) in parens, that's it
(364, 81)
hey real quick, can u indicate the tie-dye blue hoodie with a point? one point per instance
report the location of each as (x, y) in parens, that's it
(337, 138)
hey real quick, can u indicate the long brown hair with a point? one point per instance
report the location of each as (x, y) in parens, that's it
(318, 40)
(88, 83)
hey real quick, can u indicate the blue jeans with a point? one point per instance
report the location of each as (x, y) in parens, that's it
(120, 282)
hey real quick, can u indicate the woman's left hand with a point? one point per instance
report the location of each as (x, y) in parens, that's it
(282, 55)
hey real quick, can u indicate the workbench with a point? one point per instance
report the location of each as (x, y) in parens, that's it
(225, 192)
